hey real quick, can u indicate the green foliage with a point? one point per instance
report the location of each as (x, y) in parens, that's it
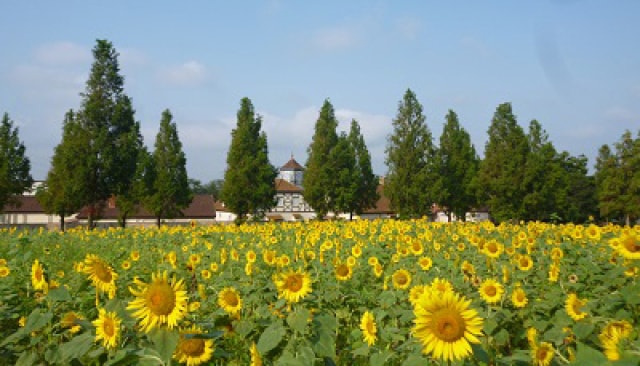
(170, 187)
(366, 194)
(319, 184)
(458, 167)
(108, 128)
(345, 178)
(15, 176)
(411, 160)
(502, 174)
(249, 178)
(618, 179)
(63, 190)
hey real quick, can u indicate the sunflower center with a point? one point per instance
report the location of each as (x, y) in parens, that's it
(490, 290)
(231, 299)
(448, 325)
(631, 244)
(38, 274)
(102, 272)
(108, 327)
(371, 328)
(343, 271)
(161, 299)
(541, 353)
(401, 280)
(192, 347)
(294, 283)
(524, 262)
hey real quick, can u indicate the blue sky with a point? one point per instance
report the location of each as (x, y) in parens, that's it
(573, 65)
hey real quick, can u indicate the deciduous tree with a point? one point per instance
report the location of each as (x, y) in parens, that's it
(319, 184)
(249, 179)
(411, 161)
(171, 185)
(15, 175)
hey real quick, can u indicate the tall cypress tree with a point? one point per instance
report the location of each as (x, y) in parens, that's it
(63, 189)
(546, 182)
(249, 180)
(501, 173)
(319, 185)
(107, 118)
(345, 175)
(15, 176)
(171, 191)
(366, 182)
(458, 166)
(410, 158)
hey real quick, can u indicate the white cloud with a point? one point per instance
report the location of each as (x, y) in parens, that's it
(190, 73)
(621, 114)
(62, 53)
(335, 38)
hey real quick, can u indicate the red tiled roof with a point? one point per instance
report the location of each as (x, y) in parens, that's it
(284, 186)
(383, 205)
(26, 204)
(202, 206)
(292, 164)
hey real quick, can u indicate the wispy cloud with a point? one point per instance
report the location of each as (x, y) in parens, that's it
(336, 38)
(190, 73)
(62, 53)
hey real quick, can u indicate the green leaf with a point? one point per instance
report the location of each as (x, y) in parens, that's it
(502, 337)
(415, 360)
(587, 356)
(243, 328)
(631, 294)
(299, 319)
(387, 299)
(37, 321)
(164, 342)
(27, 358)
(271, 337)
(361, 351)
(381, 358)
(59, 294)
(77, 347)
(583, 329)
(490, 325)
(306, 355)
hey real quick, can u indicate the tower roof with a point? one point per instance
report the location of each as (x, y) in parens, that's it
(292, 165)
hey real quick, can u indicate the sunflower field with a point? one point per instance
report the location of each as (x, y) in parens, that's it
(380, 292)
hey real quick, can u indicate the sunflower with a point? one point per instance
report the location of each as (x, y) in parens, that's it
(107, 328)
(554, 272)
(425, 263)
(251, 256)
(519, 298)
(525, 263)
(162, 301)
(38, 280)
(256, 360)
(493, 249)
(206, 274)
(542, 354)
(574, 305)
(401, 279)
(100, 273)
(4, 271)
(629, 246)
(441, 285)
(191, 349)
(378, 270)
(368, 327)
(611, 335)
(135, 255)
(343, 272)
(70, 320)
(126, 265)
(491, 291)
(372, 261)
(229, 300)
(416, 292)
(293, 285)
(445, 325)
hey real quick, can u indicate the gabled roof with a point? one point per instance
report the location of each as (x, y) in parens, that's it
(285, 186)
(292, 165)
(26, 204)
(383, 205)
(202, 206)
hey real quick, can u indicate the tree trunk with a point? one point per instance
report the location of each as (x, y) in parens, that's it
(62, 222)
(158, 221)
